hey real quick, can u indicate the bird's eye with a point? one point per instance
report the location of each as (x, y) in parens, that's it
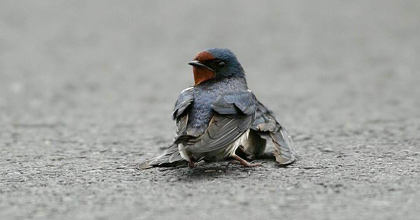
(221, 64)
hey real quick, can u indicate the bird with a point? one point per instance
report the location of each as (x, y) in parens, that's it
(219, 118)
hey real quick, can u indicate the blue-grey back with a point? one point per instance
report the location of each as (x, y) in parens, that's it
(205, 94)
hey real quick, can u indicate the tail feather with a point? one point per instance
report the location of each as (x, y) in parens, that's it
(170, 158)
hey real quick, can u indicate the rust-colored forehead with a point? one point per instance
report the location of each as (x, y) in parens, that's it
(203, 56)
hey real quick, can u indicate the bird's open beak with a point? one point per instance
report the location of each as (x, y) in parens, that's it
(197, 63)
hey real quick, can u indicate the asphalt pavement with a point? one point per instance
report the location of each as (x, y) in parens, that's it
(87, 89)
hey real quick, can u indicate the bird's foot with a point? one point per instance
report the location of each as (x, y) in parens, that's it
(191, 164)
(246, 163)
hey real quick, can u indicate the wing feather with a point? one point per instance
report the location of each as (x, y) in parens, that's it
(222, 131)
(235, 103)
(183, 102)
(170, 157)
(267, 126)
(234, 114)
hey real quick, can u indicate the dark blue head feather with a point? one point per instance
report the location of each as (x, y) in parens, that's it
(231, 66)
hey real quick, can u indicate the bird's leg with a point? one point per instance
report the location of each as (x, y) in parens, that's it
(241, 152)
(244, 162)
(191, 163)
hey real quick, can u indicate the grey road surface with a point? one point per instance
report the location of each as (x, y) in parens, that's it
(87, 89)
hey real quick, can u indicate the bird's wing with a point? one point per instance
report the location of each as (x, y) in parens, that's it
(267, 126)
(171, 156)
(234, 114)
(235, 103)
(183, 102)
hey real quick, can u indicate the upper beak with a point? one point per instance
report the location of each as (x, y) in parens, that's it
(199, 64)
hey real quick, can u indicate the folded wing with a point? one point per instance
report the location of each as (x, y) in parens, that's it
(234, 114)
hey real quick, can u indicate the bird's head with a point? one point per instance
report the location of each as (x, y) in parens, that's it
(215, 63)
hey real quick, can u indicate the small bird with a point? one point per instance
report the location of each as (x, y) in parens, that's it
(220, 118)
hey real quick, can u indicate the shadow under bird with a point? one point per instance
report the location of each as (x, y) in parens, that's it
(220, 118)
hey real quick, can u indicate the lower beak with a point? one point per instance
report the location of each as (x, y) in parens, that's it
(197, 63)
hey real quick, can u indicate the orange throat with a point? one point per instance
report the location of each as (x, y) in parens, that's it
(202, 74)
